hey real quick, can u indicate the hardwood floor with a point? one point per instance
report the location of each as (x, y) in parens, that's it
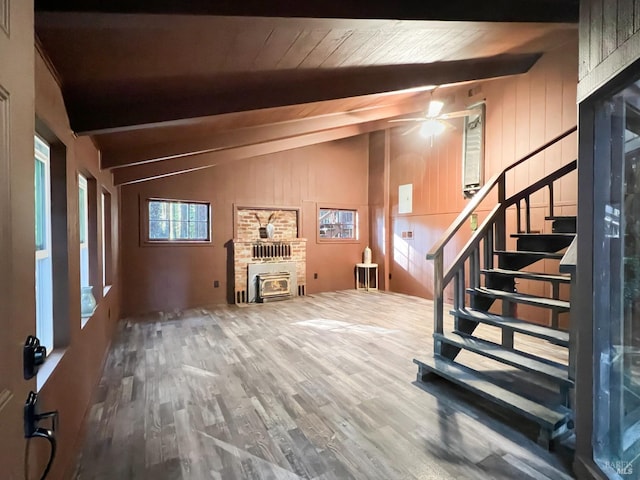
(320, 387)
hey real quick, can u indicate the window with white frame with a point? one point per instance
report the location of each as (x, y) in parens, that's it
(44, 272)
(176, 221)
(83, 217)
(105, 209)
(337, 224)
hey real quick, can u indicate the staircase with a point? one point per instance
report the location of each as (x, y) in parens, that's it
(483, 278)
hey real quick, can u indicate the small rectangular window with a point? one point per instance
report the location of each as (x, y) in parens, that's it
(83, 214)
(176, 221)
(337, 224)
(107, 262)
(44, 272)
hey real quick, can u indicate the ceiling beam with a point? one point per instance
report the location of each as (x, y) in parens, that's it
(131, 103)
(199, 161)
(465, 10)
(173, 148)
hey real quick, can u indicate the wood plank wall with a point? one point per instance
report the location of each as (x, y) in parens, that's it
(523, 112)
(71, 384)
(331, 174)
(609, 35)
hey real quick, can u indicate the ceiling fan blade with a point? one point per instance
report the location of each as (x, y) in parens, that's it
(422, 119)
(458, 114)
(411, 130)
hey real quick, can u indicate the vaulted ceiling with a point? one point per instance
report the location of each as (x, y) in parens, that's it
(158, 83)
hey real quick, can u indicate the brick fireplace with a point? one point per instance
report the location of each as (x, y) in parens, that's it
(280, 260)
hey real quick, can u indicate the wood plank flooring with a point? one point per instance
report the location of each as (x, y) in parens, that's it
(319, 387)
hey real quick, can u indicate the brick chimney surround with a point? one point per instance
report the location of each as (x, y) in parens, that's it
(253, 255)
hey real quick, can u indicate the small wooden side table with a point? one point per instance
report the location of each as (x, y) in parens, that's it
(369, 278)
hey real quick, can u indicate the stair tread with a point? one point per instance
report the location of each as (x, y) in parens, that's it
(553, 371)
(560, 305)
(529, 253)
(529, 275)
(560, 217)
(481, 385)
(543, 235)
(557, 337)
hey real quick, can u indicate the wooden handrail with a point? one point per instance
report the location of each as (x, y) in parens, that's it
(484, 192)
(462, 217)
(540, 184)
(472, 243)
(540, 149)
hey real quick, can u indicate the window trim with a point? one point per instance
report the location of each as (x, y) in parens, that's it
(352, 208)
(47, 252)
(83, 185)
(144, 227)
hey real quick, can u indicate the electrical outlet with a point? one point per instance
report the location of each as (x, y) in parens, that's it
(216, 284)
(389, 276)
(315, 276)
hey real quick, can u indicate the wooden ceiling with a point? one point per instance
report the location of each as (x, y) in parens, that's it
(156, 83)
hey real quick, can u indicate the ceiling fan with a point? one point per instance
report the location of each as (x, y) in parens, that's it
(433, 122)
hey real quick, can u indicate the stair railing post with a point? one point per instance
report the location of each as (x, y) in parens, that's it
(438, 293)
(500, 239)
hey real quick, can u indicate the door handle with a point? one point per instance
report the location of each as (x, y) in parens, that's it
(33, 355)
(32, 429)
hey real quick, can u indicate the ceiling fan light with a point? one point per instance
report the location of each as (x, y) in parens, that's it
(435, 107)
(431, 128)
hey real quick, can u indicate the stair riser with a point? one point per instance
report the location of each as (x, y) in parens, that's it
(564, 225)
(541, 244)
(516, 262)
(500, 282)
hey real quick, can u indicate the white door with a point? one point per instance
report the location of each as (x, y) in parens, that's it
(17, 298)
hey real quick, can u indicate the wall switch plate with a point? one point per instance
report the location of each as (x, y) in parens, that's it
(315, 276)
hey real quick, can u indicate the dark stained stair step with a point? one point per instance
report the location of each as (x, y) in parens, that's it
(555, 372)
(557, 337)
(553, 422)
(544, 302)
(529, 275)
(515, 260)
(543, 242)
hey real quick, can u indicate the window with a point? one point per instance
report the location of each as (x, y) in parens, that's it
(107, 264)
(337, 224)
(44, 273)
(176, 221)
(83, 215)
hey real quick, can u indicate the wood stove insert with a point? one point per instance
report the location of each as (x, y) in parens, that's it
(274, 286)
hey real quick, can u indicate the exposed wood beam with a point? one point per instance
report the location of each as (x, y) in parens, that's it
(259, 134)
(122, 105)
(471, 10)
(175, 166)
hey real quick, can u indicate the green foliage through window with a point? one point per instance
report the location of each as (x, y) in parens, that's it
(178, 221)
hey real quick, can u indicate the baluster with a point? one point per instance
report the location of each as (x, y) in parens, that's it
(518, 218)
(487, 246)
(438, 272)
(551, 199)
(500, 224)
(528, 212)
(461, 287)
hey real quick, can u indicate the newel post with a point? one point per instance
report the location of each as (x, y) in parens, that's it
(500, 224)
(438, 293)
